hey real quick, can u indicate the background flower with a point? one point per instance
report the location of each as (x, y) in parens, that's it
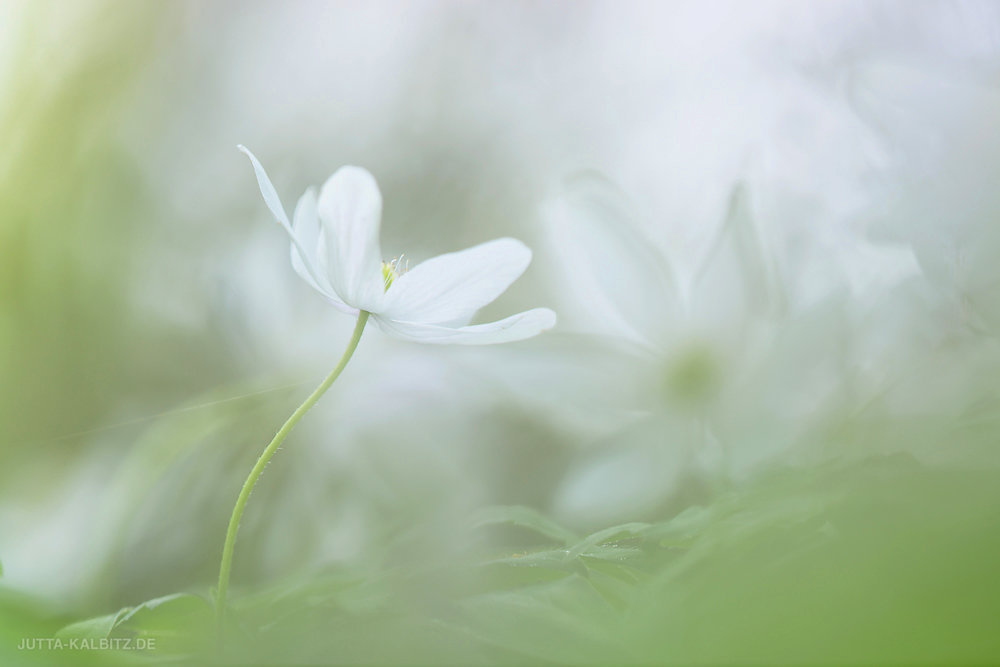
(729, 374)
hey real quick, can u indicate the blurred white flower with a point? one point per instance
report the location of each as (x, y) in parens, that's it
(335, 248)
(726, 374)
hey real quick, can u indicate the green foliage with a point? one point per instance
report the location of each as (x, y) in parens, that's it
(179, 624)
(525, 517)
(880, 561)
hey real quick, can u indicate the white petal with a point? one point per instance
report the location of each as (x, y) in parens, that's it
(350, 213)
(630, 475)
(621, 281)
(305, 228)
(304, 237)
(737, 282)
(305, 253)
(452, 287)
(267, 190)
(516, 327)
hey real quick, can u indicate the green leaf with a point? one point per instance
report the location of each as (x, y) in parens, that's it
(588, 544)
(93, 628)
(524, 517)
(178, 623)
(683, 529)
(552, 559)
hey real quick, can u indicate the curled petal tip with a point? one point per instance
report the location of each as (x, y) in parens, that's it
(267, 190)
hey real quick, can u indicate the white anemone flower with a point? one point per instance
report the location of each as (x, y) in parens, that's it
(713, 382)
(335, 249)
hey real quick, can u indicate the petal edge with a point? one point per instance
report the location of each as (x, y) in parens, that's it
(517, 327)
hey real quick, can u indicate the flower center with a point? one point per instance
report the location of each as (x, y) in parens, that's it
(692, 376)
(393, 269)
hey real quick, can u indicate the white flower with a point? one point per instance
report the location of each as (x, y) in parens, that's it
(335, 248)
(711, 382)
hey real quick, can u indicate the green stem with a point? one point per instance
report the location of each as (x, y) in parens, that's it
(265, 457)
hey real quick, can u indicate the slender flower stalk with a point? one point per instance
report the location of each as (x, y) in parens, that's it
(265, 458)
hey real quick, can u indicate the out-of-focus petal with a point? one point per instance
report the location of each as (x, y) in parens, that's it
(516, 327)
(452, 287)
(945, 138)
(737, 283)
(350, 214)
(625, 287)
(634, 474)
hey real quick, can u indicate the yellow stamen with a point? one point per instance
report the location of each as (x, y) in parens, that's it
(393, 269)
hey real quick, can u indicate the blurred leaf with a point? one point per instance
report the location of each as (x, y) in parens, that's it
(93, 628)
(347, 591)
(175, 624)
(179, 622)
(565, 621)
(589, 544)
(524, 517)
(551, 559)
(881, 562)
(682, 529)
